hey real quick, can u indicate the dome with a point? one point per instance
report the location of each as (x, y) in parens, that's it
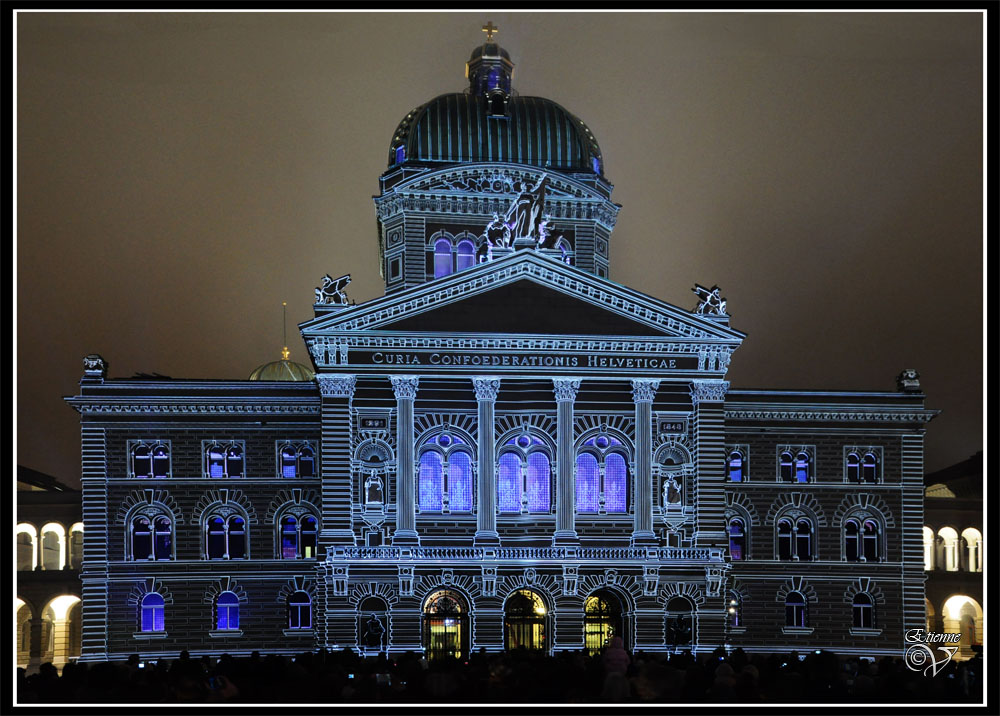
(283, 370)
(489, 123)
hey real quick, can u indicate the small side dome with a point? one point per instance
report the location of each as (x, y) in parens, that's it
(283, 369)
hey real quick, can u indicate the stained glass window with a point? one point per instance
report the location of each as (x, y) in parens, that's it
(615, 483)
(509, 483)
(587, 483)
(431, 482)
(459, 482)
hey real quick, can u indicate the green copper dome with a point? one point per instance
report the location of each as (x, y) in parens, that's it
(283, 370)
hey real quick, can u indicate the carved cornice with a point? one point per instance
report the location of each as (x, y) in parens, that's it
(404, 386)
(566, 389)
(337, 386)
(708, 391)
(487, 387)
(644, 390)
(851, 415)
(131, 407)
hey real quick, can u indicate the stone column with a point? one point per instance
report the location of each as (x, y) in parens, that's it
(643, 392)
(707, 399)
(336, 393)
(487, 388)
(565, 535)
(34, 645)
(405, 388)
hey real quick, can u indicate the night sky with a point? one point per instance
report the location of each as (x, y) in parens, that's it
(180, 175)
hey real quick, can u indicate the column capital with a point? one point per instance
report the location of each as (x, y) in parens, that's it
(336, 386)
(644, 389)
(487, 387)
(708, 391)
(566, 389)
(404, 386)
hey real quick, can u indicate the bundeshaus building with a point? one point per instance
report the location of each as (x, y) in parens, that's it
(507, 449)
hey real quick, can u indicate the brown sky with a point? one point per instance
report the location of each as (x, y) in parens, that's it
(180, 175)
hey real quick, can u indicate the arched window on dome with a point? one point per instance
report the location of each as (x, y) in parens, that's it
(442, 258)
(400, 154)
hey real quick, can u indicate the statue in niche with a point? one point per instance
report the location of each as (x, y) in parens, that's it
(710, 300)
(331, 292)
(374, 630)
(524, 216)
(373, 489)
(671, 490)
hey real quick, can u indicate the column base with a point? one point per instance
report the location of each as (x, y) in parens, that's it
(405, 538)
(644, 538)
(486, 538)
(565, 538)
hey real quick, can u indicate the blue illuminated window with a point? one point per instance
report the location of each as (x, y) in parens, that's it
(289, 462)
(430, 485)
(736, 466)
(400, 154)
(216, 461)
(296, 460)
(509, 483)
(538, 477)
(615, 483)
(299, 611)
(737, 539)
(795, 610)
(442, 258)
(588, 479)
(151, 612)
(460, 482)
(224, 460)
(466, 256)
(297, 535)
(596, 164)
(802, 467)
(227, 611)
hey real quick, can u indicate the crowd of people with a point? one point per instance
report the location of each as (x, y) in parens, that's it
(521, 676)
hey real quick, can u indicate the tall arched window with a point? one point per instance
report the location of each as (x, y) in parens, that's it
(53, 539)
(736, 466)
(76, 546)
(852, 540)
(298, 535)
(225, 535)
(803, 539)
(737, 538)
(442, 258)
(299, 608)
(949, 540)
(864, 611)
(27, 557)
(525, 620)
(795, 610)
(870, 540)
(227, 610)
(446, 625)
(524, 480)
(602, 619)
(224, 460)
(465, 256)
(151, 613)
(445, 479)
(785, 539)
(602, 477)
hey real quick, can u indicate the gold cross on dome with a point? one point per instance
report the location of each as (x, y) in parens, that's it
(490, 29)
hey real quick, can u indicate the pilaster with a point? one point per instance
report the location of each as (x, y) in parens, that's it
(565, 534)
(337, 393)
(487, 388)
(405, 389)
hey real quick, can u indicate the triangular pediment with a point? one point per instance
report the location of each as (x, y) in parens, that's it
(525, 293)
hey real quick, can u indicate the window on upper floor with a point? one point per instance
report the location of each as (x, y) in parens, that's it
(149, 459)
(225, 535)
(296, 460)
(76, 546)
(299, 610)
(444, 483)
(737, 466)
(151, 613)
(450, 254)
(602, 477)
(862, 466)
(737, 538)
(151, 536)
(224, 459)
(297, 535)
(949, 542)
(974, 544)
(524, 479)
(929, 544)
(27, 555)
(227, 611)
(794, 538)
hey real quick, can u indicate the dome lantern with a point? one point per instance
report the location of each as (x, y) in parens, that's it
(489, 71)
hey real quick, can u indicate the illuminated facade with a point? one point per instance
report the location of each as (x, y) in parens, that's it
(506, 450)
